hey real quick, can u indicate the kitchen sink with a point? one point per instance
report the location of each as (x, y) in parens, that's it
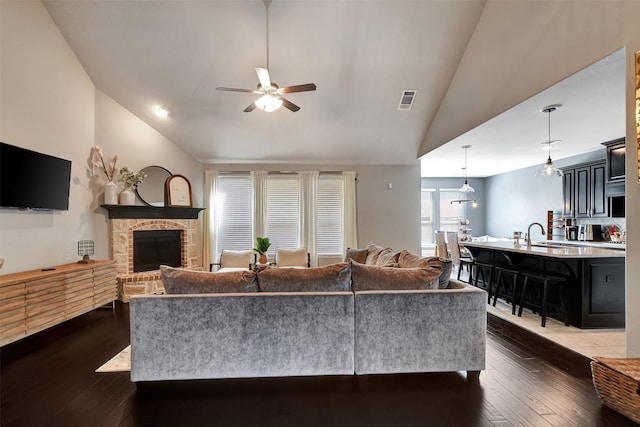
(548, 244)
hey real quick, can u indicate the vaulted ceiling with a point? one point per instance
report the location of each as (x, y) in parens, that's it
(360, 54)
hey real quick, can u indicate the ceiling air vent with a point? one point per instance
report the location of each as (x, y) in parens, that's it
(406, 100)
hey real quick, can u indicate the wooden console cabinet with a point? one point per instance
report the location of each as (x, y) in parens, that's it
(31, 301)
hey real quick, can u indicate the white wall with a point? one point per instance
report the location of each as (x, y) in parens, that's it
(388, 217)
(49, 104)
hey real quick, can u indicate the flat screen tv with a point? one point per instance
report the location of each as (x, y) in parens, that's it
(32, 180)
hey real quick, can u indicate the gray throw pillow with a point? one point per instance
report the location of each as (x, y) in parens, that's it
(330, 278)
(178, 281)
(374, 278)
(409, 260)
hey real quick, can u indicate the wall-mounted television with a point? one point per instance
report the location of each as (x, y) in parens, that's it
(32, 180)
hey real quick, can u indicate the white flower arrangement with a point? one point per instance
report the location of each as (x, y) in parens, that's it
(97, 159)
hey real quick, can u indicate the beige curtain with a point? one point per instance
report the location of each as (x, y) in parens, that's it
(259, 203)
(350, 220)
(210, 221)
(308, 196)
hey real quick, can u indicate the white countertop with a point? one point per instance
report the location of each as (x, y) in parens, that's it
(566, 251)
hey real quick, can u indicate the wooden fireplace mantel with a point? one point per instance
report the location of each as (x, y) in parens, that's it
(144, 212)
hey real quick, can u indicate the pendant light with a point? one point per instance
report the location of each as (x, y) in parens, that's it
(549, 170)
(466, 188)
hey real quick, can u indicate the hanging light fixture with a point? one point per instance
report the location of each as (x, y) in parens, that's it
(549, 169)
(466, 188)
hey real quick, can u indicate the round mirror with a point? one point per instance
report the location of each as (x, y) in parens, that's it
(151, 190)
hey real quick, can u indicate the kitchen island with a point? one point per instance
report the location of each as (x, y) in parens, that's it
(595, 291)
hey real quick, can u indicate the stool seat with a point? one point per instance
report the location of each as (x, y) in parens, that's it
(546, 281)
(500, 290)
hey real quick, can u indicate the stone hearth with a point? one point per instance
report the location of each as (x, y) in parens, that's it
(148, 282)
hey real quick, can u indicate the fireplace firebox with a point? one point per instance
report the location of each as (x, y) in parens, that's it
(152, 248)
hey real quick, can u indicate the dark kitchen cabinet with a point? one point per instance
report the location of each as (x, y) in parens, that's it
(583, 191)
(616, 154)
(568, 193)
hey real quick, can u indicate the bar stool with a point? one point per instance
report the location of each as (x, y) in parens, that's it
(484, 271)
(545, 281)
(506, 281)
(506, 285)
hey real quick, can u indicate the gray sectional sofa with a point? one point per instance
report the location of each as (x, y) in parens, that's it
(352, 327)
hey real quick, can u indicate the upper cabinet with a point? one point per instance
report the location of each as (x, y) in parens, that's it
(583, 191)
(616, 154)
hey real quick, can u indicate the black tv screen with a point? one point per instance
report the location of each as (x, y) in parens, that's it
(32, 180)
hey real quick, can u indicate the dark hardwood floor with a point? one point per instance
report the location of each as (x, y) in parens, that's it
(49, 380)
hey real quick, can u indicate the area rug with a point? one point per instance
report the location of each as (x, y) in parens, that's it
(121, 362)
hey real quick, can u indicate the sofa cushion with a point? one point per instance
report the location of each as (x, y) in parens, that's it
(388, 258)
(179, 281)
(374, 251)
(291, 257)
(366, 277)
(408, 260)
(358, 255)
(330, 278)
(236, 259)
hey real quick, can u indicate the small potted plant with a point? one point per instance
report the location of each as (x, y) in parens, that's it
(130, 180)
(262, 246)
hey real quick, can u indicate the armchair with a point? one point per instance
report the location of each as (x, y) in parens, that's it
(235, 260)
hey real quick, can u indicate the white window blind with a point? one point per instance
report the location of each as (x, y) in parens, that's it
(329, 206)
(234, 212)
(283, 211)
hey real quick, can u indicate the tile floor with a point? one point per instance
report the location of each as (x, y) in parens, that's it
(588, 342)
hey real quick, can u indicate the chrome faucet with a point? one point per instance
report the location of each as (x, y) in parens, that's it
(529, 232)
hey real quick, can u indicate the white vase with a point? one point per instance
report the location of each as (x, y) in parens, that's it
(127, 197)
(110, 193)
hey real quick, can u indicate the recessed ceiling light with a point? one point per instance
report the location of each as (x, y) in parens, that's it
(162, 111)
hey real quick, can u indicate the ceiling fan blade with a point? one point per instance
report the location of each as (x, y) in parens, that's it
(263, 76)
(233, 89)
(250, 108)
(298, 88)
(290, 105)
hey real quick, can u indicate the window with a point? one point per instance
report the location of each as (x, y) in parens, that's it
(283, 211)
(450, 213)
(427, 216)
(329, 214)
(234, 212)
(234, 208)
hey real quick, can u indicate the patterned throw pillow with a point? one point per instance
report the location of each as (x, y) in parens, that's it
(374, 278)
(374, 251)
(178, 281)
(388, 258)
(409, 260)
(330, 278)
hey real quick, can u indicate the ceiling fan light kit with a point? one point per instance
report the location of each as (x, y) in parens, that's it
(271, 94)
(549, 170)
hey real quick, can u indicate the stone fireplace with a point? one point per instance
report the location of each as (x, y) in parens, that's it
(122, 230)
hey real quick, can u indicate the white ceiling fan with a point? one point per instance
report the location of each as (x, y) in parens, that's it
(271, 94)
